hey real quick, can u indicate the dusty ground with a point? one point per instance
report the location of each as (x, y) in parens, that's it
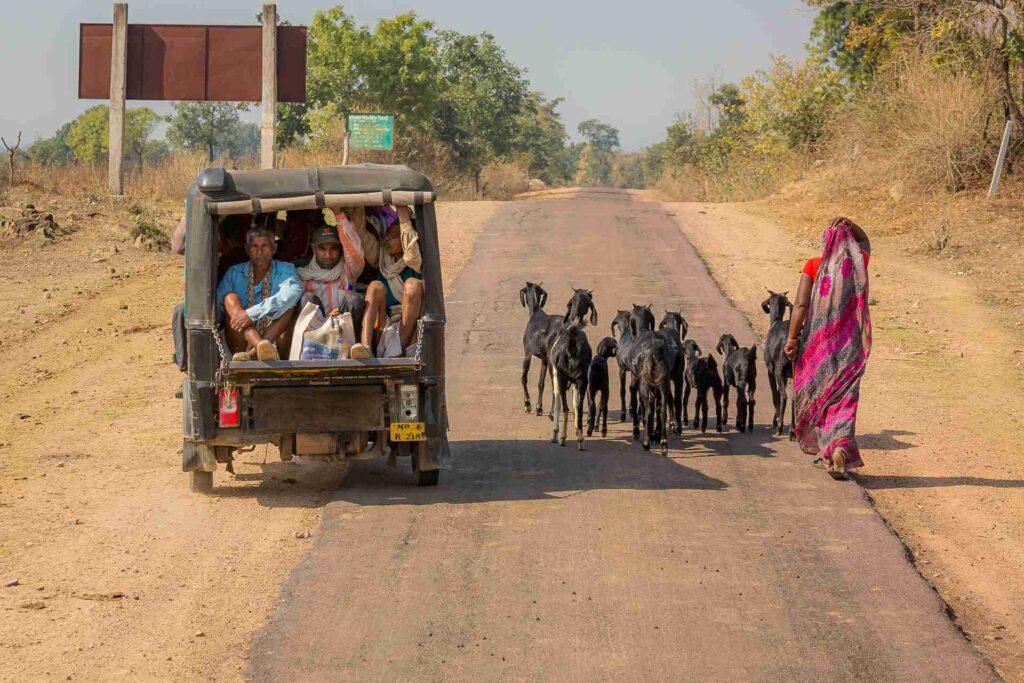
(940, 410)
(121, 573)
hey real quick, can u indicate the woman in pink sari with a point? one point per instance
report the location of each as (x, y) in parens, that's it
(830, 340)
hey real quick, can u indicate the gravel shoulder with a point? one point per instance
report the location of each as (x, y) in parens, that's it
(940, 412)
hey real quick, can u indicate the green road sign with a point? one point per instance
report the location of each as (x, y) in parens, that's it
(371, 131)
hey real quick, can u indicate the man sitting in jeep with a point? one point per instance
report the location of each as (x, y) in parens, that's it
(256, 300)
(397, 291)
(332, 272)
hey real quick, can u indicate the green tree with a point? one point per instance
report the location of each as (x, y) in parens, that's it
(541, 138)
(211, 127)
(483, 98)
(53, 151)
(851, 35)
(89, 135)
(595, 162)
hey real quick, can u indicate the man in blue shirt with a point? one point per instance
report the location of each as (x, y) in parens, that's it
(256, 300)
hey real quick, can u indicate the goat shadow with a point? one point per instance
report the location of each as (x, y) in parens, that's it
(874, 482)
(506, 470)
(886, 440)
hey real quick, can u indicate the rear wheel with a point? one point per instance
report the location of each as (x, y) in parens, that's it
(201, 482)
(428, 478)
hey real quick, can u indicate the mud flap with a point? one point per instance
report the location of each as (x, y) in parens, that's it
(198, 457)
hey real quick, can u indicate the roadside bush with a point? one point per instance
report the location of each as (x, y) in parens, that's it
(504, 180)
(919, 128)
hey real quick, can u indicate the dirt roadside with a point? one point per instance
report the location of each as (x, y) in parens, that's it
(121, 573)
(939, 419)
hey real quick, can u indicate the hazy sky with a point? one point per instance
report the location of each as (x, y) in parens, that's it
(630, 64)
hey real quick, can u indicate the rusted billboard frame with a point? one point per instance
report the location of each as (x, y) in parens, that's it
(136, 80)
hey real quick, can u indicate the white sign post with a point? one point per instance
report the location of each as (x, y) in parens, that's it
(997, 172)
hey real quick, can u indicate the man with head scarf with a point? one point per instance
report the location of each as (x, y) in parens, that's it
(330, 276)
(396, 294)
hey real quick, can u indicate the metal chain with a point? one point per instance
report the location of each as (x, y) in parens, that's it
(419, 343)
(220, 348)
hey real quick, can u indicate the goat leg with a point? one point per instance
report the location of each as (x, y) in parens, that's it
(622, 394)
(677, 406)
(781, 381)
(718, 409)
(686, 401)
(633, 408)
(792, 419)
(591, 411)
(579, 390)
(544, 369)
(773, 383)
(554, 411)
(725, 403)
(666, 395)
(604, 413)
(563, 406)
(750, 406)
(526, 375)
(741, 407)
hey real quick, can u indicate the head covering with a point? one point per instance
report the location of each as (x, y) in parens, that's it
(326, 234)
(381, 218)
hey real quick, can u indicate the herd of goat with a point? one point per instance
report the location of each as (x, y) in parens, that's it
(664, 368)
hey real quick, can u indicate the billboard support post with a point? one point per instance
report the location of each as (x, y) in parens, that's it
(118, 68)
(268, 123)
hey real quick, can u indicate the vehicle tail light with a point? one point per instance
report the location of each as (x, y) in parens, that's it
(229, 407)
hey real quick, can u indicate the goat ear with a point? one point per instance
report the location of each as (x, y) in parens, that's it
(614, 324)
(522, 296)
(764, 306)
(719, 348)
(543, 298)
(593, 314)
(568, 309)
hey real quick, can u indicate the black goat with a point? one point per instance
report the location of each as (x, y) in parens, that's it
(654, 360)
(673, 328)
(691, 352)
(780, 368)
(624, 357)
(707, 377)
(740, 367)
(627, 351)
(570, 358)
(597, 383)
(541, 330)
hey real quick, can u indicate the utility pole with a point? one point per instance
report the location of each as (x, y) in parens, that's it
(268, 122)
(118, 62)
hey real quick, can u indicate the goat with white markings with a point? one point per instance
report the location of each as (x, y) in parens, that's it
(741, 372)
(541, 329)
(570, 358)
(597, 383)
(779, 367)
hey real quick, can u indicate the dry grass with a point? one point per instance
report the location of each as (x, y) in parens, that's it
(921, 129)
(742, 179)
(504, 180)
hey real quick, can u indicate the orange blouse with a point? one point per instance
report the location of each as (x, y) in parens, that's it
(812, 265)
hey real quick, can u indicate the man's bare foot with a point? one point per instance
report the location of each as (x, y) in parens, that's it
(359, 352)
(266, 350)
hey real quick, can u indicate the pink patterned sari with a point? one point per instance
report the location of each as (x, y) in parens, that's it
(834, 347)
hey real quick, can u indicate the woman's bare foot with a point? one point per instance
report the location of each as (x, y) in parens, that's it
(359, 352)
(838, 469)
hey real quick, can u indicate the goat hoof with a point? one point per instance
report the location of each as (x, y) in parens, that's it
(590, 431)
(792, 436)
(561, 441)
(719, 429)
(604, 433)
(529, 409)
(580, 445)
(664, 448)
(540, 411)
(646, 445)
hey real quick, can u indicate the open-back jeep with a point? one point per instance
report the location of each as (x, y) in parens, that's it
(330, 409)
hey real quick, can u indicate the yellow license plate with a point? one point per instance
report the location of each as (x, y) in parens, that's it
(408, 431)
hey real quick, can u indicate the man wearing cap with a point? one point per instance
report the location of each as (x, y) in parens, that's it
(332, 272)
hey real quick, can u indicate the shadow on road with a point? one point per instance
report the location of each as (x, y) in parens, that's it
(886, 440)
(484, 471)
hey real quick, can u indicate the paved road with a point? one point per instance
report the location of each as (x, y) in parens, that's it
(729, 559)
